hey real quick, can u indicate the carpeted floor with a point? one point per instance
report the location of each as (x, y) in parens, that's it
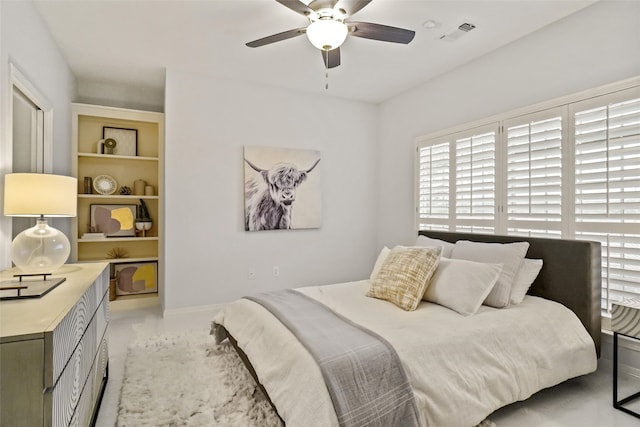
(187, 380)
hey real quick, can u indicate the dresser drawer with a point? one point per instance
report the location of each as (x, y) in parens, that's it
(66, 336)
(76, 377)
(68, 327)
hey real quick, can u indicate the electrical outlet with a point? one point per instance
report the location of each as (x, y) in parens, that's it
(252, 274)
(276, 271)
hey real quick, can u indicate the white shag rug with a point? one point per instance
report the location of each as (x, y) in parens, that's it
(185, 379)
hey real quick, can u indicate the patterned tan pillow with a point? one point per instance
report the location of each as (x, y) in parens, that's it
(405, 275)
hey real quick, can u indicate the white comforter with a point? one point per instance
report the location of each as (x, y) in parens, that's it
(461, 368)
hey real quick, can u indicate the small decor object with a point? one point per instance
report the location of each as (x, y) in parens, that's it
(125, 191)
(136, 278)
(41, 248)
(126, 140)
(105, 185)
(117, 253)
(88, 185)
(143, 220)
(148, 190)
(138, 187)
(276, 179)
(110, 146)
(113, 220)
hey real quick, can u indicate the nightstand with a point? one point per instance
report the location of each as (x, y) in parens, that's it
(625, 321)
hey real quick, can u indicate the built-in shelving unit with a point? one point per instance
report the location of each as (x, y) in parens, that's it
(146, 163)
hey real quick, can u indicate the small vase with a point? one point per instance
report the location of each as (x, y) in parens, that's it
(144, 226)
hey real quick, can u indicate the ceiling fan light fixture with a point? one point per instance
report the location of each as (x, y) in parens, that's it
(327, 34)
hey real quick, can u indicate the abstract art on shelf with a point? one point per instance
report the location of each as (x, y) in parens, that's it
(113, 220)
(282, 189)
(136, 278)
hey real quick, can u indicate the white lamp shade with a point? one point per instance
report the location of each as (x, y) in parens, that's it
(327, 34)
(36, 194)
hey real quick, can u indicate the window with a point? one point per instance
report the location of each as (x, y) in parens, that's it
(607, 187)
(534, 174)
(570, 170)
(434, 181)
(457, 177)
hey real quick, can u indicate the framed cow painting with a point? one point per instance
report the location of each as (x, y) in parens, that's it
(282, 189)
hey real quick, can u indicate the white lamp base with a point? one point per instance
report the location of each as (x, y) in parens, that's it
(40, 249)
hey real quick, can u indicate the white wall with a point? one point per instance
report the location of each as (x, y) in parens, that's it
(115, 94)
(208, 253)
(596, 46)
(26, 42)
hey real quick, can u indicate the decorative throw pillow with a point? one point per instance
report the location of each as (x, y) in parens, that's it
(462, 285)
(524, 279)
(404, 276)
(510, 255)
(384, 253)
(428, 242)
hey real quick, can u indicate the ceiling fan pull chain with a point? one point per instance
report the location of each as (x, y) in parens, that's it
(326, 74)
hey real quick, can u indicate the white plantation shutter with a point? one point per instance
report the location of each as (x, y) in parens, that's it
(607, 186)
(534, 174)
(569, 171)
(476, 178)
(456, 181)
(433, 184)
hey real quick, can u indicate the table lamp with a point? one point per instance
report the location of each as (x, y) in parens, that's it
(41, 249)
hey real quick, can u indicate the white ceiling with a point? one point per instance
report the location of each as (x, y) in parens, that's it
(133, 42)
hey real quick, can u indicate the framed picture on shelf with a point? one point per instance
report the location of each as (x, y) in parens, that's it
(126, 140)
(113, 220)
(134, 278)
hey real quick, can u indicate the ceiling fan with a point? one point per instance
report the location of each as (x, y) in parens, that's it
(328, 27)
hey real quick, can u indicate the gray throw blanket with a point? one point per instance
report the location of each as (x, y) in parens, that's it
(362, 371)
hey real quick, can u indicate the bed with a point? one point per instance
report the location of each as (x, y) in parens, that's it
(460, 368)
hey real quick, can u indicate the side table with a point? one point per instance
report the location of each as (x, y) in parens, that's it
(625, 321)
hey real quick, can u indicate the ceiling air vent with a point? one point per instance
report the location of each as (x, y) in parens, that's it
(456, 33)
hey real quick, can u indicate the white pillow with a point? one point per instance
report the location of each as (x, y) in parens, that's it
(384, 253)
(510, 255)
(428, 242)
(524, 279)
(462, 285)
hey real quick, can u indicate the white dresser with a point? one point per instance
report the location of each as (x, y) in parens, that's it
(53, 350)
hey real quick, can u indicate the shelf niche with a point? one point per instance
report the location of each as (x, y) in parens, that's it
(88, 122)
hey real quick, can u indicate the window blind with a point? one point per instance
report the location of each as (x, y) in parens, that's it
(569, 171)
(607, 186)
(534, 175)
(434, 181)
(476, 176)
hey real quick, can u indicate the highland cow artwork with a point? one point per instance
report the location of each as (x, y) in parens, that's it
(282, 189)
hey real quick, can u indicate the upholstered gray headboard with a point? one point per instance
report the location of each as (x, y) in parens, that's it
(571, 272)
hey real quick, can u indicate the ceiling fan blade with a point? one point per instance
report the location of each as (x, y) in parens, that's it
(277, 37)
(297, 6)
(331, 57)
(381, 32)
(351, 7)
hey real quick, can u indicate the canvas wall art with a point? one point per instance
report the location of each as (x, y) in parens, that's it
(136, 278)
(282, 189)
(113, 220)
